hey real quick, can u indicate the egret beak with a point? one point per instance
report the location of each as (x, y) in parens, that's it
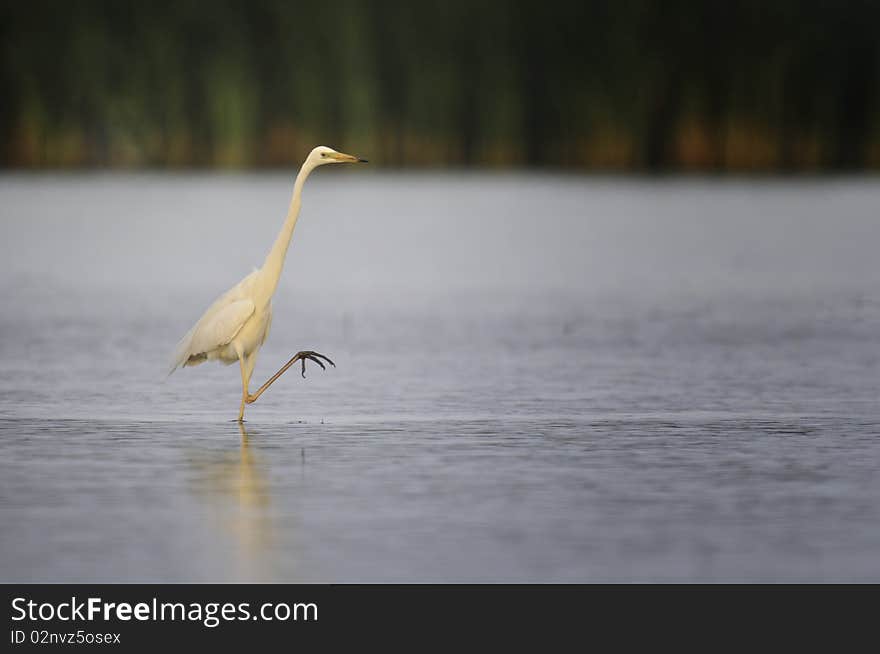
(346, 158)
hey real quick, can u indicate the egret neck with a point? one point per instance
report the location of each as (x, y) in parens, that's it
(274, 263)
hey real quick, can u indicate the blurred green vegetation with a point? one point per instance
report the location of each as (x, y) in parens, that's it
(616, 85)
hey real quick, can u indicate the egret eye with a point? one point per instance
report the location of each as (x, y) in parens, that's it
(323, 154)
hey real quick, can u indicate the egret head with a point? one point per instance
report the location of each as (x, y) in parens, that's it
(324, 155)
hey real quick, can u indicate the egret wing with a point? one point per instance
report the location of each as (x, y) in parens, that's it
(216, 329)
(221, 328)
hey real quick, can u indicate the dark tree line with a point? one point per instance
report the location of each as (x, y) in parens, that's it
(626, 84)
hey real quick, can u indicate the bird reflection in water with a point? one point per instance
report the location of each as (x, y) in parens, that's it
(238, 503)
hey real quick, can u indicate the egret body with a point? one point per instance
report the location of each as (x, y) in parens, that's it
(236, 325)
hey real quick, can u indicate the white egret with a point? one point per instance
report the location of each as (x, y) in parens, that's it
(235, 327)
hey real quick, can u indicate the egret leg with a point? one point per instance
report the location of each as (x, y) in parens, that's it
(245, 378)
(306, 355)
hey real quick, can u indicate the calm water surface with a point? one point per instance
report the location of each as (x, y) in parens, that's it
(538, 379)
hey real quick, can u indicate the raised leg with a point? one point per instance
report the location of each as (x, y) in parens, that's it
(306, 355)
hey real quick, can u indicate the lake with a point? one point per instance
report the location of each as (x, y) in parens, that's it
(540, 378)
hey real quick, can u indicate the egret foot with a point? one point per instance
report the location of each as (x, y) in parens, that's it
(312, 356)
